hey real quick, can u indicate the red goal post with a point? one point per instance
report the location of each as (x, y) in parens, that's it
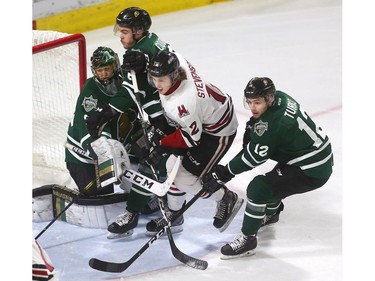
(64, 41)
(59, 72)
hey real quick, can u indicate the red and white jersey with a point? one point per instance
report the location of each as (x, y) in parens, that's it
(42, 268)
(195, 106)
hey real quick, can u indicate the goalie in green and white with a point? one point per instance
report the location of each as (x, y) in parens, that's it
(99, 181)
(96, 92)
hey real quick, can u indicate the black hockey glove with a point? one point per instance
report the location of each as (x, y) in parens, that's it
(139, 143)
(246, 135)
(98, 118)
(135, 60)
(216, 178)
(157, 152)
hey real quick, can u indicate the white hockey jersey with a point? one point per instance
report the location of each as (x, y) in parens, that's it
(196, 106)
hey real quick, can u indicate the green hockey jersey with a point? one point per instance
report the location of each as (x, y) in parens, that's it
(124, 101)
(121, 127)
(150, 45)
(286, 134)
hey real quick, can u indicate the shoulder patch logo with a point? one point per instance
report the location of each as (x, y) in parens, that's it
(89, 103)
(260, 127)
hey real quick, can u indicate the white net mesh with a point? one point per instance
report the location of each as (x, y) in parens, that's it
(56, 86)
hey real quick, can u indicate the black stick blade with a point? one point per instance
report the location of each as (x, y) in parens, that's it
(107, 266)
(193, 262)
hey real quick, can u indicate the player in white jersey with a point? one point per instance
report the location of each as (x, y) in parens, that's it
(206, 126)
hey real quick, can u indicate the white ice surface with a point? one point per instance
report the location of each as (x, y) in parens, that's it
(298, 44)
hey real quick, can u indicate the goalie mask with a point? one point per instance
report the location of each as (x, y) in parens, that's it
(105, 66)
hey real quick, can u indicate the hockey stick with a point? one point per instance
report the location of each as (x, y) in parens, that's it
(122, 266)
(184, 258)
(76, 149)
(56, 218)
(156, 187)
(74, 199)
(86, 154)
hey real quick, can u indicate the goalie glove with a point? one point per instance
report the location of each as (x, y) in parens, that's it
(135, 60)
(216, 178)
(97, 119)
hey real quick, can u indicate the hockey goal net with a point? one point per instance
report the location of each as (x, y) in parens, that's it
(59, 71)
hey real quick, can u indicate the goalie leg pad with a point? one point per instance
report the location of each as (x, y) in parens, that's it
(90, 212)
(42, 208)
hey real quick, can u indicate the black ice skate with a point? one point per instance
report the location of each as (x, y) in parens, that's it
(271, 219)
(123, 226)
(156, 224)
(241, 246)
(226, 210)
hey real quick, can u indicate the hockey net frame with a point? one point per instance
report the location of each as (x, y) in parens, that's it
(59, 73)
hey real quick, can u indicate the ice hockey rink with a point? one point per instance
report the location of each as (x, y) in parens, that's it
(298, 44)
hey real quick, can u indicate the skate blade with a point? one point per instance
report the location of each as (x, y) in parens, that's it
(236, 208)
(246, 254)
(174, 229)
(111, 235)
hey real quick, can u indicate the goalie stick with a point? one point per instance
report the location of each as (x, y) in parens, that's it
(97, 181)
(158, 188)
(74, 200)
(56, 218)
(78, 150)
(122, 266)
